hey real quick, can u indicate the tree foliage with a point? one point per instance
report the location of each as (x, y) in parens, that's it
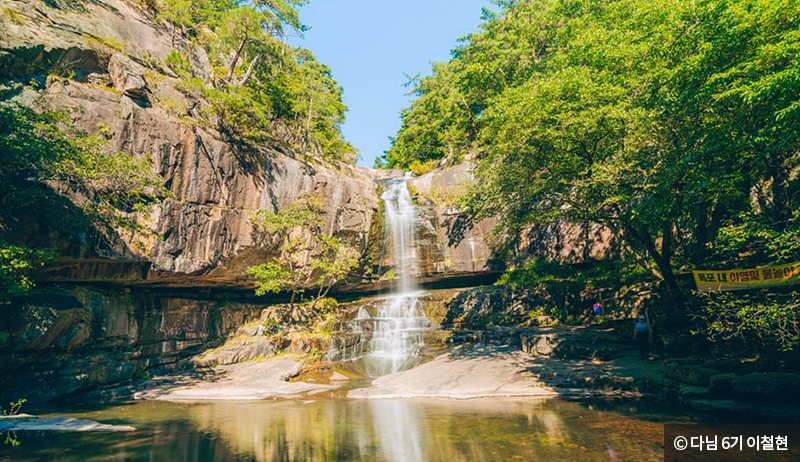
(665, 121)
(307, 255)
(756, 318)
(261, 89)
(41, 159)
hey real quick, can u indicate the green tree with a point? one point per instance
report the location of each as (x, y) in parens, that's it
(661, 120)
(301, 239)
(262, 90)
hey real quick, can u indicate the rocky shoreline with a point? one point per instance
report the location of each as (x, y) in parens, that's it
(559, 362)
(230, 352)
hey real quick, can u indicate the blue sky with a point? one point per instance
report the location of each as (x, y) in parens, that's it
(370, 44)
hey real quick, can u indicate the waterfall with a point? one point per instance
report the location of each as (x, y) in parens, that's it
(399, 212)
(391, 339)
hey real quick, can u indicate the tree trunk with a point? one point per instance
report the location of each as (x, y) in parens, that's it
(250, 68)
(318, 297)
(663, 259)
(236, 58)
(308, 125)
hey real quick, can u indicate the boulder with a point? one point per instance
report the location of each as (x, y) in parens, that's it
(541, 344)
(722, 384)
(127, 76)
(253, 330)
(769, 385)
(97, 78)
(690, 374)
(303, 345)
(237, 351)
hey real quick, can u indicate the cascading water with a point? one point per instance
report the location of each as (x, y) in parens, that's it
(399, 211)
(397, 329)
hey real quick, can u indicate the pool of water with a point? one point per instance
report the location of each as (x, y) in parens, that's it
(358, 430)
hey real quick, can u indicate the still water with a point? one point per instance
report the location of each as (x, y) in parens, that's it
(357, 430)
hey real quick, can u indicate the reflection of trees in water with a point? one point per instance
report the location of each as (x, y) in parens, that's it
(168, 440)
(392, 430)
(410, 430)
(171, 440)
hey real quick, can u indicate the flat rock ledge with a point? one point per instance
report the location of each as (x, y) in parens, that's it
(26, 422)
(479, 371)
(250, 381)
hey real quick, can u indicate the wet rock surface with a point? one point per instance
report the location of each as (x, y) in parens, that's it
(25, 422)
(70, 342)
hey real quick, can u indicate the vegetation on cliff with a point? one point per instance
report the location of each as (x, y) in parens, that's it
(43, 158)
(260, 89)
(299, 231)
(230, 72)
(674, 124)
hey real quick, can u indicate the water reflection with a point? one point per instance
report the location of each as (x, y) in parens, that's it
(355, 430)
(400, 432)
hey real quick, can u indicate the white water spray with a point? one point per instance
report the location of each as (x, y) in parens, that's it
(398, 326)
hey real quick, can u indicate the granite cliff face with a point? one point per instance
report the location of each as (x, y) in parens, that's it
(446, 241)
(450, 243)
(206, 224)
(99, 61)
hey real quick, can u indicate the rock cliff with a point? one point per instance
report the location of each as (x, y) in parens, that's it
(100, 61)
(65, 343)
(103, 63)
(449, 242)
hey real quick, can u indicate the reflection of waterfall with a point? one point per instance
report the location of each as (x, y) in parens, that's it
(397, 428)
(357, 430)
(390, 339)
(390, 430)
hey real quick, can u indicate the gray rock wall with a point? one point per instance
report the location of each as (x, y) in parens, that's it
(448, 241)
(89, 59)
(65, 343)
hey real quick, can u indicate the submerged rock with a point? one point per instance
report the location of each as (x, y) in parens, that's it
(25, 422)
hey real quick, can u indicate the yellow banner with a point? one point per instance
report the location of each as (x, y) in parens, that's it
(708, 281)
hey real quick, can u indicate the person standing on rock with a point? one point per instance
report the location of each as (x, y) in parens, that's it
(641, 334)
